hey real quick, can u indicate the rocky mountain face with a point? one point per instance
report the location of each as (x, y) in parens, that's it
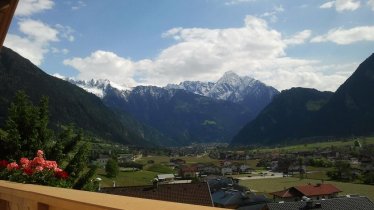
(191, 111)
(303, 115)
(284, 119)
(181, 115)
(351, 109)
(231, 87)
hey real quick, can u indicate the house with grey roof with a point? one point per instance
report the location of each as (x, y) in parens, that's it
(343, 203)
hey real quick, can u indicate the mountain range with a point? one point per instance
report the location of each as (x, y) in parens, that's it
(192, 111)
(301, 114)
(234, 107)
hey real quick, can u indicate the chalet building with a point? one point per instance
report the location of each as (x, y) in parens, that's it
(177, 161)
(208, 170)
(165, 177)
(188, 171)
(122, 158)
(344, 203)
(315, 192)
(102, 160)
(226, 171)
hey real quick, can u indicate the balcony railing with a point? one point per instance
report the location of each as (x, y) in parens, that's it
(16, 196)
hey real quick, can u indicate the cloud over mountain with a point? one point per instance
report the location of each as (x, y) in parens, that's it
(203, 54)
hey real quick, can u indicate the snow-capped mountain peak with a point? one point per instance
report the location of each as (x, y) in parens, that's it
(99, 87)
(230, 77)
(230, 86)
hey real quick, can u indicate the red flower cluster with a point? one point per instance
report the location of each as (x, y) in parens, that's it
(36, 165)
(62, 174)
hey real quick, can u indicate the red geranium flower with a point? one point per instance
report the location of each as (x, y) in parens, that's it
(24, 162)
(12, 166)
(28, 171)
(62, 175)
(50, 164)
(38, 161)
(40, 153)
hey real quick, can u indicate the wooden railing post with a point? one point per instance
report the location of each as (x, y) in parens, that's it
(4, 205)
(42, 206)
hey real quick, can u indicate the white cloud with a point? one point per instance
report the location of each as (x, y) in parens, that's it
(34, 43)
(38, 31)
(350, 5)
(35, 40)
(57, 51)
(299, 38)
(59, 76)
(371, 4)
(347, 36)
(272, 15)
(342, 5)
(103, 64)
(30, 7)
(204, 54)
(78, 5)
(327, 5)
(66, 32)
(26, 47)
(233, 2)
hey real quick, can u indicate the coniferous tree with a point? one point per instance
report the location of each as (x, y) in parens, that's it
(85, 179)
(26, 131)
(79, 161)
(21, 128)
(111, 168)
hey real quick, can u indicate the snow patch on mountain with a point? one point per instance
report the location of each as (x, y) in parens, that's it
(98, 87)
(230, 86)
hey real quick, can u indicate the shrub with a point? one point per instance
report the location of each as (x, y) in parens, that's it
(111, 168)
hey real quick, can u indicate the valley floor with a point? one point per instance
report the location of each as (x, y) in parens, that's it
(265, 186)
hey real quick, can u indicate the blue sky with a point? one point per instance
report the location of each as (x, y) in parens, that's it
(283, 43)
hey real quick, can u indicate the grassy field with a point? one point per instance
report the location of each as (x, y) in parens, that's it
(189, 160)
(318, 145)
(128, 178)
(159, 168)
(265, 186)
(192, 160)
(318, 173)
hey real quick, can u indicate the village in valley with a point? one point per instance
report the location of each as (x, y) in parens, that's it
(244, 178)
(231, 104)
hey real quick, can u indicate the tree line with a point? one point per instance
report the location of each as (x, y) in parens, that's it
(26, 130)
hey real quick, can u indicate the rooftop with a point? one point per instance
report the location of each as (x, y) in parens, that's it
(346, 203)
(191, 193)
(307, 190)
